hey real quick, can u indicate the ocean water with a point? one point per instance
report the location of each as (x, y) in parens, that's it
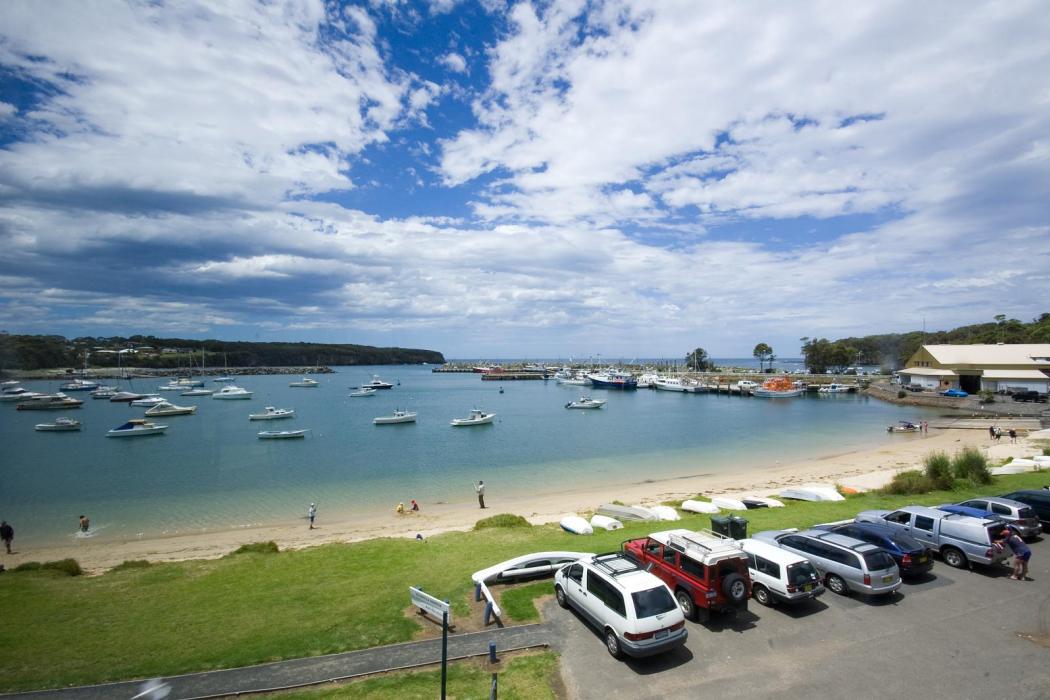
(210, 471)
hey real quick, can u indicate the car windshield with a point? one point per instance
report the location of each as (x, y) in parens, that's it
(877, 561)
(653, 602)
(801, 573)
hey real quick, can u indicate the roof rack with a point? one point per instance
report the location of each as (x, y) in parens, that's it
(616, 563)
(704, 543)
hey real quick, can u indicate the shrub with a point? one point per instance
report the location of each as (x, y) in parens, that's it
(938, 469)
(901, 393)
(1046, 451)
(257, 547)
(909, 482)
(131, 564)
(69, 567)
(987, 396)
(971, 464)
(28, 566)
(502, 520)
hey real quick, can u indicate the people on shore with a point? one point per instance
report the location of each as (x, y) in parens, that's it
(311, 513)
(400, 509)
(479, 488)
(991, 432)
(85, 524)
(1013, 435)
(7, 533)
(1022, 553)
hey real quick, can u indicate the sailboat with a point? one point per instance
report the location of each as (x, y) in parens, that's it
(226, 369)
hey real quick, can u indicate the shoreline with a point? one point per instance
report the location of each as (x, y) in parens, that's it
(862, 469)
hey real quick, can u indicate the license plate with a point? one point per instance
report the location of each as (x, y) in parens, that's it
(887, 579)
(921, 560)
(661, 634)
(807, 588)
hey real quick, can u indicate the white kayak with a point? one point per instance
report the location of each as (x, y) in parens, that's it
(699, 506)
(663, 512)
(576, 525)
(727, 503)
(604, 522)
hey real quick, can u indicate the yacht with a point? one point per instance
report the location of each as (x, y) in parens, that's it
(17, 393)
(48, 402)
(79, 385)
(305, 383)
(61, 425)
(166, 408)
(399, 416)
(282, 434)
(377, 383)
(148, 401)
(232, 392)
(585, 402)
(125, 397)
(362, 392)
(135, 428)
(197, 392)
(271, 413)
(476, 417)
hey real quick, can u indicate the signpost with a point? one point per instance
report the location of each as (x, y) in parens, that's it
(436, 608)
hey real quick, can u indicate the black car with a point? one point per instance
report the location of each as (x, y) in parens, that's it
(1030, 396)
(911, 556)
(1038, 500)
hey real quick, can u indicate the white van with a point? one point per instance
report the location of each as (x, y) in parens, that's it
(778, 575)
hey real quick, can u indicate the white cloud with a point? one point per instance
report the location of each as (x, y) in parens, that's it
(7, 110)
(454, 62)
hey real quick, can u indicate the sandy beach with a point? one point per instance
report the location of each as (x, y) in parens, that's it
(865, 469)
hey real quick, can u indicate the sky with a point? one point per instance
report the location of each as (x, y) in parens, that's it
(523, 179)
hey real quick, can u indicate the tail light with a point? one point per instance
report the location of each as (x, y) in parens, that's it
(867, 579)
(792, 589)
(906, 560)
(638, 636)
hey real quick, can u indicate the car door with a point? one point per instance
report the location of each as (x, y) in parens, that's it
(924, 529)
(574, 589)
(899, 520)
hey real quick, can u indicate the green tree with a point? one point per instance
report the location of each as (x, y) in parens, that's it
(698, 361)
(763, 353)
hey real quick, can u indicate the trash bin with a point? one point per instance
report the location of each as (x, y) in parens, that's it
(737, 527)
(720, 524)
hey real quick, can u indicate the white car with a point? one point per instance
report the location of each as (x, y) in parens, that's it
(634, 610)
(778, 575)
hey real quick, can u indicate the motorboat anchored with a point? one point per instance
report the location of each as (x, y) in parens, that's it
(684, 386)
(834, 388)
(585, 402)
(613, 379)
(19, 394)
(283, 434)
(148, 400)
(377, 383)
(49, 402)
(232, 392)
(476, 417)
(137, 427)
(61, 425)
(166, 408)
(359, 393)
(125, 397)
(778, 388)
(272, 413)
(197, 392)
(398, 416)
(306, 383)
(79, 385)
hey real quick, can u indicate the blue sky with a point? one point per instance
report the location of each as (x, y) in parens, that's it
(496, 179)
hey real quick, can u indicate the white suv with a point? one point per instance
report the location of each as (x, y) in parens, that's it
(635, 611)
(778, 575)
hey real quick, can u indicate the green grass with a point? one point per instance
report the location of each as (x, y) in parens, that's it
(165, 619)
(524, 678)
(518, 602)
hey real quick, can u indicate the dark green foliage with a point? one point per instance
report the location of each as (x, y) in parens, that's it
(902, 394)
(131, 564)
(698, 361)
(502, 520)
(257, 548)
(939, 470)
(69, 567)
(971, 464)
(909, 483)
(28, 566)
(987, 396)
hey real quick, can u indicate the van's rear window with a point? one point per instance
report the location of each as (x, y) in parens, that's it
(653, 602)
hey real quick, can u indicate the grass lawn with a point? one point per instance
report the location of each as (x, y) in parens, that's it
(249, 608)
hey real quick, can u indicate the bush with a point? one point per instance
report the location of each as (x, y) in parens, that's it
(971, 464)
(257, 547)
(908, 483)
(131, 564)
(70, 567)
(901, 393)
(938, 469)
(987, 396)
(28, 566)
(502, 520)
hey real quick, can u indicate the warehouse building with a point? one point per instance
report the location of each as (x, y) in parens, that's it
(973, 368)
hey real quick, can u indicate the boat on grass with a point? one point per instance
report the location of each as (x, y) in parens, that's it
(604, 522)
(166, 408)
(576, 525)
(476, 417)
(615, 510)
(753, 502)
(61, 425)
(694, 506)
(272, 413)
(398, 416)
(585, 402)
(812, 492)
(728, 503)
(137, 427)
(663, 512)
(283, 434)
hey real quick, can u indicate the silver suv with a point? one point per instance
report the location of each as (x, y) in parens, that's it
(634, 610)
(846, 564)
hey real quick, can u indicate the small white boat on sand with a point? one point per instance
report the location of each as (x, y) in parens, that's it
(694, 506)
(165, 408)
(604, 522)
(398, 416)
(621, 513)
(137, 427)
(576, 525)
(1018, 465)
(306, 383)
(232, 392)
(61, 425)
(663, 512)
(761, 502)
(727, 503)
(585, 402)
(476, 417)
(812, 492)
(361, 393)
(272, 413)
(283, 434)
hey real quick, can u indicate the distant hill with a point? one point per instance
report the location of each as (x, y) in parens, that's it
(892, 350)
(32, 352)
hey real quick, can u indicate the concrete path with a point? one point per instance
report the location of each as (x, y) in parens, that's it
(318, 669)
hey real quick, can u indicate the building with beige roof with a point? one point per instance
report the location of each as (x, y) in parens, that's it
(972, 368)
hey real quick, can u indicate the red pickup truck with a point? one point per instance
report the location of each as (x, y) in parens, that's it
(704, 570)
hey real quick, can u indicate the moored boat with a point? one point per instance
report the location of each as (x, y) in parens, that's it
(585, 402)
(476, 417)
(149, 400)
(613, 379)
(125, 397)
(398, 416)
(19, 394)
(283, 434)
(79, 385)
(360, 393)
(903, 426)
(49, 402)
(60, 425)
(137, 427)
(377, 383)
(272, 413)
(232, 392)
(305, 383)
(778, 388)
(166, 408)
(197, 392)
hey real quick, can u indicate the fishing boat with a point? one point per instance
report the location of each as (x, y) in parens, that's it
(377, 383)
(685, 386)
(903, 426)
(148, 401)
(778, 388)
(613, 379)
(585, 402)
(79, 385)
(647, 380)
(271, 413)
(166, 408)
(305, 383)
(283, 434)
(49, 402)
(197, 392)
(476, 417)
(359, 393)
(61, 425)
(398, 416)
(232, 392)
(137, 427)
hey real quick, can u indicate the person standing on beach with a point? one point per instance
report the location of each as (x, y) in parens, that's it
(312, 513)
(479, 488)
(85, 523)
(7, 533)
(991, 432)
(1013, 435)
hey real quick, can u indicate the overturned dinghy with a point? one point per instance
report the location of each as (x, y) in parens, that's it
(812, 492)
(760, 502)
(699, 506)
(627, 512)
(663, 512)
(576, 525)
(528, 566)
(727, 503)
(604, 522)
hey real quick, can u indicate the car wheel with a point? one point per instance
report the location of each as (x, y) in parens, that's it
(762, 595)
(559, 594)
(954, 558)
(685, 602)
(836, 585)
(735, 588)
(612, 644)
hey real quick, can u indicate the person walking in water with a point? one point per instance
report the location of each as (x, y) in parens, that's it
(7, 533)
(85, 523)
(312, 513)
(479, 488)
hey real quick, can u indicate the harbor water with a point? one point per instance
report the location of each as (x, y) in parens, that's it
(210, 471)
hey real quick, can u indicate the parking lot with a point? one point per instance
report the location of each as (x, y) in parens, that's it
(953, 634)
